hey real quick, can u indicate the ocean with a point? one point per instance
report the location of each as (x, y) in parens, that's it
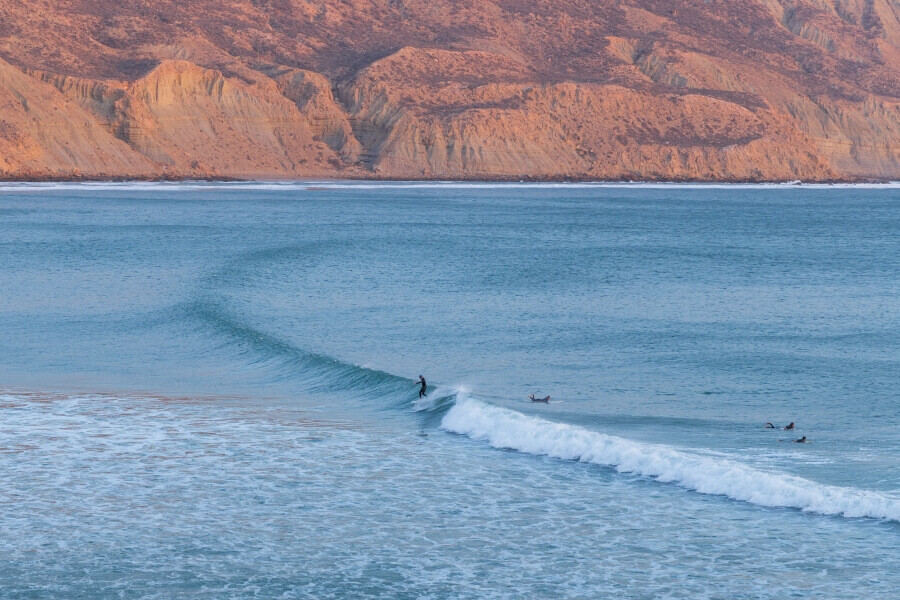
(208, 390)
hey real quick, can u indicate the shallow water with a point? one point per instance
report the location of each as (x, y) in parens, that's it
(208, 391)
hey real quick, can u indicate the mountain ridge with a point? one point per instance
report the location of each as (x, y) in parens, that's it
(747, 90)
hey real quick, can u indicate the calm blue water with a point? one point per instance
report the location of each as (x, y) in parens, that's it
(207, 391)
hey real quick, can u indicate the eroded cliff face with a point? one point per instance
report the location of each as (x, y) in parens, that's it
(41, 132)
(643, 89)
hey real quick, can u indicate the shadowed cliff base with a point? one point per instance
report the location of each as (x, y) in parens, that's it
(744, 91)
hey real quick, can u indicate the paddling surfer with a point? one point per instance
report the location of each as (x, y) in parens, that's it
(789, 427)
(800, 441)
(424, 386)
(533, 399)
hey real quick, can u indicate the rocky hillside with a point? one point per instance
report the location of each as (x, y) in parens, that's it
(639, 89)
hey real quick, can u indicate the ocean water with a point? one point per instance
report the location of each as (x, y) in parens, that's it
(208, 391)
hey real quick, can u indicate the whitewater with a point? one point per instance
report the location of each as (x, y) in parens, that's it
(503, 428)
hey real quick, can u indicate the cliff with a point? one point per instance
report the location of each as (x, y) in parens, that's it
(641, 89)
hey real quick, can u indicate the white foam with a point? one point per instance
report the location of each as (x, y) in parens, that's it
(503, 428)
(478, 185)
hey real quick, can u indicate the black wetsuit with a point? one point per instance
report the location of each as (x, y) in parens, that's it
(424, 385)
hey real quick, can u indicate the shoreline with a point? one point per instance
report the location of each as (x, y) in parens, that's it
(485, 180)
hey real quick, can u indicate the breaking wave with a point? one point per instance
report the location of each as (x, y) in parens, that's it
(503, 428)
(457, 411)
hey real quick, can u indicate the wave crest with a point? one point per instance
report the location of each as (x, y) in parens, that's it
(503, 428)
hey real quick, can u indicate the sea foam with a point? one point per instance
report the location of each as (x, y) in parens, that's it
(503, 428)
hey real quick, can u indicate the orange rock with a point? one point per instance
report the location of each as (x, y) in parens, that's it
(745, 89)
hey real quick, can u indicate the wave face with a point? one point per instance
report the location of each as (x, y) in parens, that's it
(503, 428)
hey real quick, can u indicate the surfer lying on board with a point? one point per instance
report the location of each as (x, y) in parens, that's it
(789, 427)
(533, 399)
(800, 441)
(424, 386)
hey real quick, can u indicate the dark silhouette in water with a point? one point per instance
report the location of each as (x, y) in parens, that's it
(769, 425)
(800, 441)
(533, 399)
(424, 386)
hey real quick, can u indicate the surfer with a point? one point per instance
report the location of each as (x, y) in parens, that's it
(800, 441)
(533, 399)
(789, 427)
(424, 386)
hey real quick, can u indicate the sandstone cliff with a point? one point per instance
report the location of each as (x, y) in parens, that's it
(640, 89)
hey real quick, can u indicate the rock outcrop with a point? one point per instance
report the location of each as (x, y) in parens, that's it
(642, 89)
(41, 133)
